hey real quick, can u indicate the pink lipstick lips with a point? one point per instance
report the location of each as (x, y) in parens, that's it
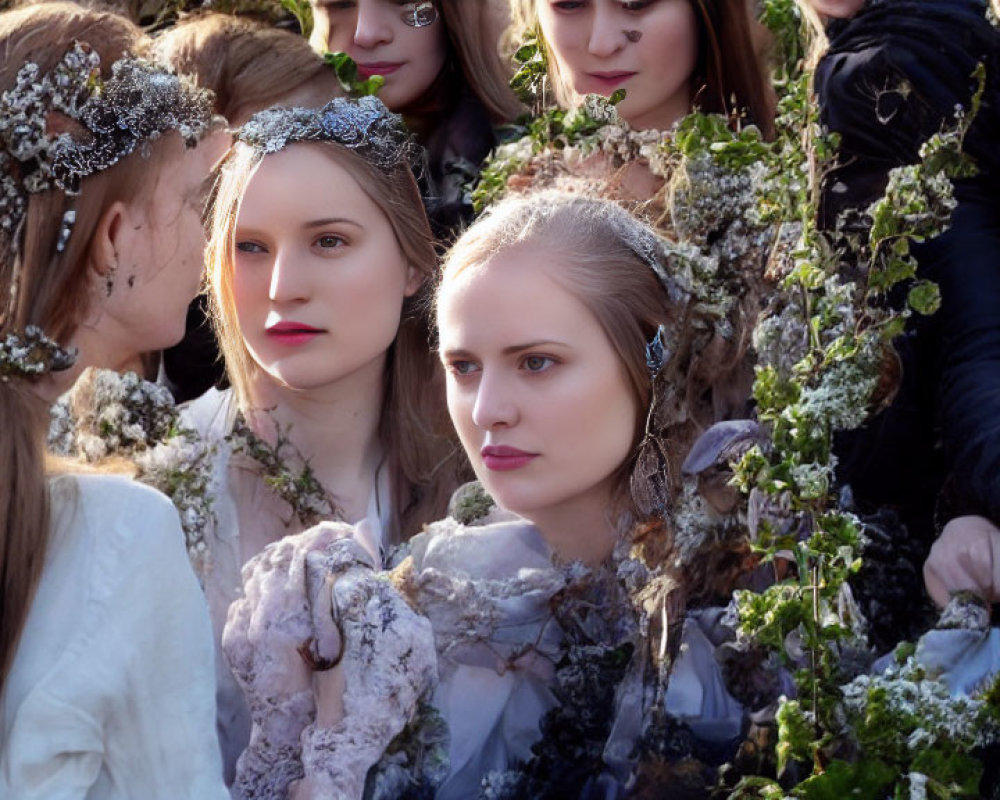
(502, 459)
(383, 68)
(293, 333)
(608, 81)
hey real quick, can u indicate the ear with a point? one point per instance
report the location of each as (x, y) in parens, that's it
(106, 243)
(414, 280)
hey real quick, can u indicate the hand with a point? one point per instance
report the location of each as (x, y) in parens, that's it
(275, 636)
(965, 557)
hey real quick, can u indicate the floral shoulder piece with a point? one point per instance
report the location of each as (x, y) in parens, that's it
(113, 416)
(286, 472)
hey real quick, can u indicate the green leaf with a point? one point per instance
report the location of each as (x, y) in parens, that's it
(865, 780)
(924, 298)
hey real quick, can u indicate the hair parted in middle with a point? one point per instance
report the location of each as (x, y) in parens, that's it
(416, 434)
(730, 77)
(599, 253)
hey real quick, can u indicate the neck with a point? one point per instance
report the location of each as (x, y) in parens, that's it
(335, 428)
(664, 116)
(579, 530)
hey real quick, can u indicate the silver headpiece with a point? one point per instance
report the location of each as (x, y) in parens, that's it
(364, 125)
(59, 128)
(32, 354)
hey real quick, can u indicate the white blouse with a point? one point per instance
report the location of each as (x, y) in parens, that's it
(111, 691)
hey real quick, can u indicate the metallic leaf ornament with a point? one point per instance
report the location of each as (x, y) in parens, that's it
(59, 128)
(419, 15)
(364, 125)
(32, 354)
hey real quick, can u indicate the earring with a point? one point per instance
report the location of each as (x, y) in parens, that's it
(633, 36)
(109, 277)
(650, 478)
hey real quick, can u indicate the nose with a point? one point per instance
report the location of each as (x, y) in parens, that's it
(373, 26)
(288, 284)
(495, 405)
(606, 32)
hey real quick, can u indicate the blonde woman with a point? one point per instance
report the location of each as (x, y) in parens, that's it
(105, 643)
(319, 265)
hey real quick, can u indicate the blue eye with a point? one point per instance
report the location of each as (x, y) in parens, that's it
(567, 5)
(462, 368)
(249, 247)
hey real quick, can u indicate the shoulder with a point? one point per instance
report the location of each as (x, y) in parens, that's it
(125, 521)
(212, 414)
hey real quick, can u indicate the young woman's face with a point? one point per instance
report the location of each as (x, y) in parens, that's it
(319, 278)
(160, 248)
(382, 37)
(539, 398)
(649, 48)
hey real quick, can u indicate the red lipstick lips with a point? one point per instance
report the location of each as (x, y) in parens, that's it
(502, 459)
(293, 333)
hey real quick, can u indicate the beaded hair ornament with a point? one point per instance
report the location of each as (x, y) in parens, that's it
(59, 128)
(365, 126)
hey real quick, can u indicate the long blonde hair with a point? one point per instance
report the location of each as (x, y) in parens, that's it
(53, 292)
(424, 461)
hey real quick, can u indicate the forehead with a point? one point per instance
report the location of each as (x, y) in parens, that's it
(303, 180)
(518, 294)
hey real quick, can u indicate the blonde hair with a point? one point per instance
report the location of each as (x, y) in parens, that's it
(414, 428)
(595, 256)
(730, 77)
(247, 64)
(475, 37)
(53, 291)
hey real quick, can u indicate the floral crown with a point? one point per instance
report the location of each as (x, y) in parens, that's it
(364, 125)
(108, 119)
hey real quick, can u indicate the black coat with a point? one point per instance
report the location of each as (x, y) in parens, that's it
(891, 78)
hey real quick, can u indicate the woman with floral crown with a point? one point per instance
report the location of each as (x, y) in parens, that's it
(105, 643)
(319, 262)
(669, 56)
(443, 74)
(575, 638)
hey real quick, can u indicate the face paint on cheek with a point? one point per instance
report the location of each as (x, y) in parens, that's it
(419, 15)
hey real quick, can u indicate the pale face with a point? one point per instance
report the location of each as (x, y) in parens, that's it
(649, 48)
(376, 34)
(319, 278)
(539, 398)
(160, 248)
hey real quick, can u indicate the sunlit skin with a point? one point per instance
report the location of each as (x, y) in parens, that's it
(319, 278)
(319, 283)
(837, 9)
(538, 396)
(648, 48)
(373, 33)
(148, 256)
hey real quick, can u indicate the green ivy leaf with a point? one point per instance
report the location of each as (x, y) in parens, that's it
(924, 298)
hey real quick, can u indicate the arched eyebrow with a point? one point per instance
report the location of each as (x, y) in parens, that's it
(511, 350)
(320, 223)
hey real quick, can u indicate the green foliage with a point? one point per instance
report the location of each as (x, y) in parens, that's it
(302, 11)
(347, 74)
